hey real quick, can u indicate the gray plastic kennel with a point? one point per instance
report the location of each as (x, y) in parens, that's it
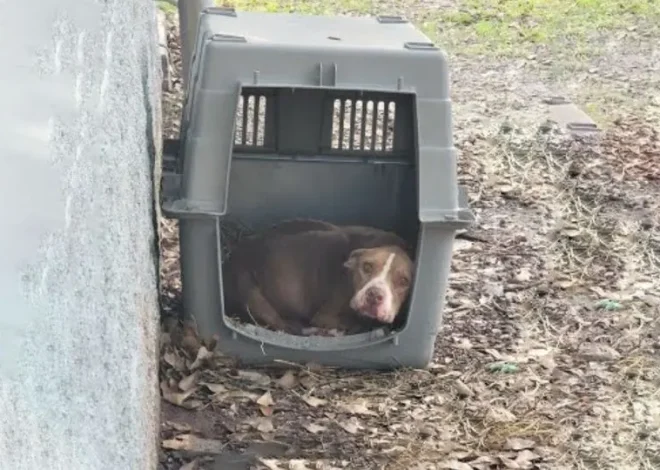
(342, 119)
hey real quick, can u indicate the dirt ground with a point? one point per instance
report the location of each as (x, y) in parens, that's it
(549, 357)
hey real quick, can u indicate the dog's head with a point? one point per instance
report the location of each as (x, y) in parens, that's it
(381, 279)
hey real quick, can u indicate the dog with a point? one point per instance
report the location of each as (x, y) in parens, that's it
(359, 235)
(306, 273)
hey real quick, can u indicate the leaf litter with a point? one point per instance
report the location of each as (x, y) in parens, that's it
(549, 353)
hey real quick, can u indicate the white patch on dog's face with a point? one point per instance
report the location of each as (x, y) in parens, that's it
(381, 281)
(383, 311)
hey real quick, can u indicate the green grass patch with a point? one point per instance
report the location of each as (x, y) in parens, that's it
(304, 7)
(167, 7)
(503, 27)
(518, 25)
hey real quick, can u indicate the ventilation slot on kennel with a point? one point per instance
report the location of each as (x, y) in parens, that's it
(250, 121)
(363, 125)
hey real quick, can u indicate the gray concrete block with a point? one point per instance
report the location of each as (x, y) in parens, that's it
(80, 91)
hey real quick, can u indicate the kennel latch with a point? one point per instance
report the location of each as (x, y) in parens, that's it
(172, 204)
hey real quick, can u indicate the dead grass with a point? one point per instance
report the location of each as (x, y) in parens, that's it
(548, 359)
(595, 223)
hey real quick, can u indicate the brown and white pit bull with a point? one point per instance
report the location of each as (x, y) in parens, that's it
(306, 273)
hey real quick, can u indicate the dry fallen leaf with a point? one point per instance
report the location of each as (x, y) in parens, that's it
(508, 463)
(191, 465)
(212, 342)
(298, 465)
(313, 401)
(181, 427)
(191, 443)
(505, 188)
(193, 404)
(271, 464)
(572, 232)
(462, 390)
(485, 462)
(165, 340)
(394, 450)
(176, 398)
(262, 424)
(548, 361)
(496, 354)
(265, 400)
(255, 377)
(497, 414)
(214, 388)
(190, 342)
(357, 407)
(188, 382)
(175, 361)
(598, 352)
(461, 245)
(515, 443)
(461, 455)
(288, 380)
(307, 381)
(527, 456)
(314, 428)
(241, 394)
(202, 355)
(351, 425)
(523, 275)
(454, 465)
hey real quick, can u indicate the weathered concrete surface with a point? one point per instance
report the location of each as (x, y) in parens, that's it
(79, 108)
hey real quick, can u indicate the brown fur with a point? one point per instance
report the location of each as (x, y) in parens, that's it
(298, 274)
(359, 235)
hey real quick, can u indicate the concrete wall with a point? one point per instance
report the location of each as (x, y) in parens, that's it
(79, 109)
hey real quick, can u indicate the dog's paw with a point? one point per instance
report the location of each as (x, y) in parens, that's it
(311, 331)
(335, 332)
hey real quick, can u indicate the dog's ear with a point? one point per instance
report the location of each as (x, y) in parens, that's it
(353, 258)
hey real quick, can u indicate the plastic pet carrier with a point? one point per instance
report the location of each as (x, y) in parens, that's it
(342, 119)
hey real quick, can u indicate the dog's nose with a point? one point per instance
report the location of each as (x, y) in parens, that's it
(374, 296)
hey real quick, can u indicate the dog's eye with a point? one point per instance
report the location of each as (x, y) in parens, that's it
(402, 281)
(367, 267)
